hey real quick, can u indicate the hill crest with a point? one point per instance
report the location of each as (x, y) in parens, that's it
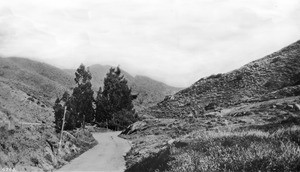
(251, 82)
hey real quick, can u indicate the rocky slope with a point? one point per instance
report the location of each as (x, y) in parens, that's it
(262, 95)
(259, 78)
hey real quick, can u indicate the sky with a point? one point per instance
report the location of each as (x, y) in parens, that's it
(173, 41)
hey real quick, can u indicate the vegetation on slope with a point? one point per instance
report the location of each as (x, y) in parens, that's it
(34, 146)
(243, 150)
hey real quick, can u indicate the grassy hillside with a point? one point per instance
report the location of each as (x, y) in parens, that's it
(43, 81)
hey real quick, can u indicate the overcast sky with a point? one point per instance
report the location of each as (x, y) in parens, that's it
(174, 41)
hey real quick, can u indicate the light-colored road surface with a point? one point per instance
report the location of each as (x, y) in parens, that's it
(107, 156)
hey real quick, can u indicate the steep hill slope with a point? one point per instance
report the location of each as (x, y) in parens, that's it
(225, 122)
(150, 91)
(249, 83)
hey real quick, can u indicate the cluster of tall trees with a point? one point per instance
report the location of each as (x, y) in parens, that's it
(112, 107)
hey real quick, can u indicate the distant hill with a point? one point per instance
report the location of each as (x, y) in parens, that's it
(44, 81)
(265, 78)
(150, 91)
(43, 69)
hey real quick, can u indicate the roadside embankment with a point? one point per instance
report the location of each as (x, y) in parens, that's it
(36, 147)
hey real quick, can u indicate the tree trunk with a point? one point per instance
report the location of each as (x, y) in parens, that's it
(83, 122)
(63, 125)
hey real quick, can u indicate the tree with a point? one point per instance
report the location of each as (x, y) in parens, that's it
(102, 108)
(59, 108)
(58, 115)
(70, 118)
(114, 103)
(82, 97)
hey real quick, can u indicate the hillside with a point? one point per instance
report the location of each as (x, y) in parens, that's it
(43, 69)
(29, 88)
(244, 120)
(274, 72)
(28, 141)
(43, 81)
(150, 91)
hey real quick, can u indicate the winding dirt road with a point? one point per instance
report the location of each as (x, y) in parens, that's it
(107, 156)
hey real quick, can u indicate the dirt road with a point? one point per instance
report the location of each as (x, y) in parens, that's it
(107, 156)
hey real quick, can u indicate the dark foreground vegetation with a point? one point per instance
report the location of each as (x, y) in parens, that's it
(264, 149)
(112, 108)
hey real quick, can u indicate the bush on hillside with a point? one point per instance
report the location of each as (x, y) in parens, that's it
(296, 79)
(214, 76)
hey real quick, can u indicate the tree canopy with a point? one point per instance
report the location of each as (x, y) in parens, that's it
(83, 95)
(114, 103)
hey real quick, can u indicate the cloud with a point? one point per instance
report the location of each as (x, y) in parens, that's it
(174, 41)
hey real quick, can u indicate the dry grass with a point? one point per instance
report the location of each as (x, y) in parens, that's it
(252, 150)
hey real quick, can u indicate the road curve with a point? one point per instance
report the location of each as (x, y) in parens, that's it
(107, 156)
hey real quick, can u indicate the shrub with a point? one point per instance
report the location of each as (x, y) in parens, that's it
(210, 106)
(213, 76)
(31, 99)
(34, 160)
(296, 79)
(275, 60)
(239, 77)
